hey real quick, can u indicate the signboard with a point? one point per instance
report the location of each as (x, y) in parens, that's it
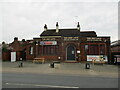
(97, 58)
(78, 51)
(48, 39)
(13, 56)
(48, 43)
(94, 39)
(118, 59)
(72, 52)
(70, 38)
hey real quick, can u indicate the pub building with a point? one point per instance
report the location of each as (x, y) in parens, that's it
(70, 45)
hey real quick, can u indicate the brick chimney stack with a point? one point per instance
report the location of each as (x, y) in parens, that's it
(57, 27)
(45, 27)
(16, 39)
(78, 26)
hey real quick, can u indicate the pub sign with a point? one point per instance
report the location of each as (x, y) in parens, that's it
(48, 43)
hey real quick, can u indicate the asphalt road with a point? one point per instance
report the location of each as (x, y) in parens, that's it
(26, 80)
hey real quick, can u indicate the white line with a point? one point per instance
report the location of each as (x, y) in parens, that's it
(41, 85)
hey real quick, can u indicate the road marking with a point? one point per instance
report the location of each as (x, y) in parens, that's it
(52, 86)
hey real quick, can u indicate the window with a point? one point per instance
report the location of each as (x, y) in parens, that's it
(102, 49)
(39, 50)
(31, 50)
(95, 49)
(50, 50)
(86, 49)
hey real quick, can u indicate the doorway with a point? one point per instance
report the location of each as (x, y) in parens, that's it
(70, 51)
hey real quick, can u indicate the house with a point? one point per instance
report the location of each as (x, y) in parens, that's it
(22, 48)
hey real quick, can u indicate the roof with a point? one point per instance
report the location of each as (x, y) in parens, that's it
(88, 34)
(68, 33)
(115, 43)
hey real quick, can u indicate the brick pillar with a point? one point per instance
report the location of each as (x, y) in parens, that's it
(36, 50)
(62, 51)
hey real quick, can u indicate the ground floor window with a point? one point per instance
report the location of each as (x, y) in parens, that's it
(95, 49)
(48, 50)
(31, 50)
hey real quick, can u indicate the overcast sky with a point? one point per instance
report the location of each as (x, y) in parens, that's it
(26, 20)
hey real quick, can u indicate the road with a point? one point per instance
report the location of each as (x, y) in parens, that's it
(27, 80)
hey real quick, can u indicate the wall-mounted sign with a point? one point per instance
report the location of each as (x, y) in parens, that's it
(72, 52)
(48, 39)
(70, 38)
(78, 51)
(48, 43)
(118, 60)
(97, 58)
(94, 39)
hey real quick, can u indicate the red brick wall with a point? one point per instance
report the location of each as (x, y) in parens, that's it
(6, 56)
(18, 55)
(115, 49)
(82, 52)
(28, 55)
(79, 45)
(16, 46)
(65, 45)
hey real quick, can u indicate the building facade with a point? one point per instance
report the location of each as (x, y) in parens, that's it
(22, 49)
(66, 45)
(71, 45)
(115, 52)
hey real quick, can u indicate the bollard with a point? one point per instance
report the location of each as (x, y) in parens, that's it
(52, 65)
(21, 64)
(87, 66)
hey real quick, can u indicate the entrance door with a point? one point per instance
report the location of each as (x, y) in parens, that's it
(70, 53)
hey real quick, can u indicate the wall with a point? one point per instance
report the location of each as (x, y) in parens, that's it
(28, 55)
(6, 56)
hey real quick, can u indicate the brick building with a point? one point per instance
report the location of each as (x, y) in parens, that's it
(5, 51)
(115, 52)
(71, 45)
(67, 45)
(22, 48)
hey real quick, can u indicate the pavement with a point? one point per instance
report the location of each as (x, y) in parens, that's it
(77, 69)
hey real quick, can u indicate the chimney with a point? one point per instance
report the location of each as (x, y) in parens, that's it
(23, 40)
(57, 27)
(3, 43)
(78, 26)
(45, 27)
(16, 39)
